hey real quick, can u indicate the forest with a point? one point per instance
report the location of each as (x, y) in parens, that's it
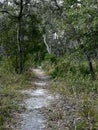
(60, 36)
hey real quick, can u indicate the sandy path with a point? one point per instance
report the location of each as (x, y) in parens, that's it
(32, 119)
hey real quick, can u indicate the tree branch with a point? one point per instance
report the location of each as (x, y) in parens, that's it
(5, 11)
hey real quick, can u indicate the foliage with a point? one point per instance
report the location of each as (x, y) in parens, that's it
(73, 71)
(70, 31)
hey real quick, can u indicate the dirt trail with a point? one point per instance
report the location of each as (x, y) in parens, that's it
(32, 118)
(48, 111)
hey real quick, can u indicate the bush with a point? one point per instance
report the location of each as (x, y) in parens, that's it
(73, 71)
(50, 58)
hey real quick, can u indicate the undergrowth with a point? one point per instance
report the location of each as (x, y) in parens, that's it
(74, 72)
(10, 97)
(72, 79)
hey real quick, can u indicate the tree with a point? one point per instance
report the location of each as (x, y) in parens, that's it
(20, 13)
(80, 27)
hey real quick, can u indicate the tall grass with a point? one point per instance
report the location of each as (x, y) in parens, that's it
(10, 97)
(72, 79)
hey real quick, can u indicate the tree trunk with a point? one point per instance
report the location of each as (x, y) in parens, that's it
(91, 67)
(48, 47)
(89, 61)
(20, 62)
